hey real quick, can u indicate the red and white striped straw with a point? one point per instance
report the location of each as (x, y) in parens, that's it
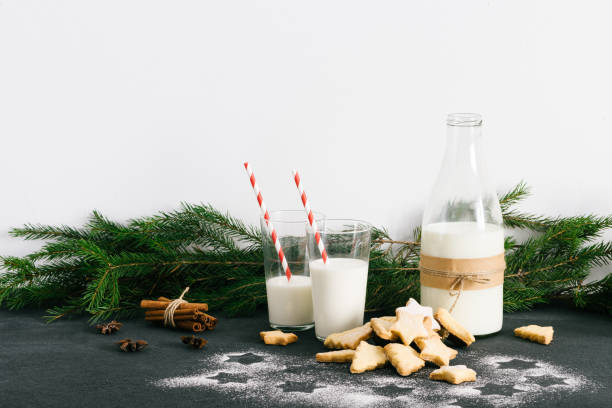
(309, 214)
(266, 215)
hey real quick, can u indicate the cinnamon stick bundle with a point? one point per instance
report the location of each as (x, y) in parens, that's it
(189, 314)
(162, 304)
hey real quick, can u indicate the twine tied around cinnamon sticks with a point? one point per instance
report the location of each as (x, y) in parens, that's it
(178, 313)
(458, 275)
(171, 308)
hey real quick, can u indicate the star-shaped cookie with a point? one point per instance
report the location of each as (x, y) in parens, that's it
(453, 326)
(533, 332)
(453, 374)
(337, 356)
(382, 326)
(405, 359)
(408, 326)
(368, 357)
(428, 323)
(277, 337)
(415, 308)
(349, 339)
(432, 349)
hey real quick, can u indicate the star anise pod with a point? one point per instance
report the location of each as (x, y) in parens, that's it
(129, 345)
(109, 328)
(196, 342)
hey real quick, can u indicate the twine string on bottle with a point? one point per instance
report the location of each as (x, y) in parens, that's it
(457, 275)
(456, 287)
(459, 282)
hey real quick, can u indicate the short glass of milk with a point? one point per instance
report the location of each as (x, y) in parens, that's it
(289, 300)
(339, 286)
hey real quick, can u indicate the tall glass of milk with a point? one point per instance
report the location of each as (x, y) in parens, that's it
(289, 300)
(462, 243)
(339, 285)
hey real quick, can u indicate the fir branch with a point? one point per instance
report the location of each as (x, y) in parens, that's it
(595, 295)
(513, 196)
(104, 268)
(515, 219)
(47, 232)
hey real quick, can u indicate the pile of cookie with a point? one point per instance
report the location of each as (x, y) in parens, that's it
(412, 323)
(394, 336)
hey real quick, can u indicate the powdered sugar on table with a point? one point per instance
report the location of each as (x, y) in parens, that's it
(270, 378)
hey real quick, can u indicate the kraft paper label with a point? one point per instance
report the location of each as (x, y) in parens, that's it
(476, 273)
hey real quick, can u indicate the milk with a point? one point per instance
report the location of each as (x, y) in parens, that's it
(338, 294)
(480, 311)
(289, 302)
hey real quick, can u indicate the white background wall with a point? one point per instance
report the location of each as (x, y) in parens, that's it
(132, 106)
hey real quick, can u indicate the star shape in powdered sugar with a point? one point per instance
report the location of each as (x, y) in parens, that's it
(296, 386)
(391, 390)
(517, 364)
(546, 380)
(466, 402)
(294, 369)
(498, 389)
(224, 378)
(246, 359)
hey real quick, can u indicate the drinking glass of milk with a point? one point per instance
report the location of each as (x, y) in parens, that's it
(289, 300)
(462, 243)
(339, 285)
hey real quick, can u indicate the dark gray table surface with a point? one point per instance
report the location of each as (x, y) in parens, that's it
(66, 364)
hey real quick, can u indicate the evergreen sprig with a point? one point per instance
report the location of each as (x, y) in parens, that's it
(105, 268)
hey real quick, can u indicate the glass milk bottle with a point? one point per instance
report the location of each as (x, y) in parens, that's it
(462, 243)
